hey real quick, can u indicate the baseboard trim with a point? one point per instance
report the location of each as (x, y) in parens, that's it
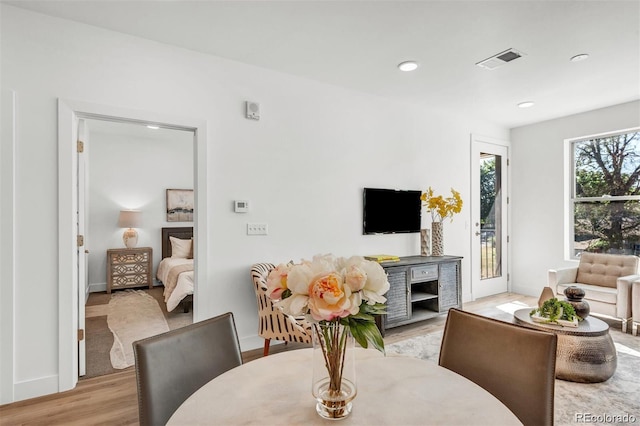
(36, 387)
(251, 342)
(526, 290)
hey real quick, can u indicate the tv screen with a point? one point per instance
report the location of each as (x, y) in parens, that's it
(390, 211)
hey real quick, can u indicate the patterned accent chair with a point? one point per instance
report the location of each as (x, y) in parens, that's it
(272, 322)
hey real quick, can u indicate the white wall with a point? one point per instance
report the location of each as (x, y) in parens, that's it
(132, 171)
(538, 195)
(302, 166)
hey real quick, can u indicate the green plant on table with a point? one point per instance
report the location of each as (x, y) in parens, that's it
(554, 310)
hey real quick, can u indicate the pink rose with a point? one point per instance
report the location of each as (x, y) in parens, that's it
(277, 281)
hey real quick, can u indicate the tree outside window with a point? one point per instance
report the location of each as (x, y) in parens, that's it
(606, 195)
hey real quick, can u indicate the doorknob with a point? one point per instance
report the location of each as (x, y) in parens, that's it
(477, 233)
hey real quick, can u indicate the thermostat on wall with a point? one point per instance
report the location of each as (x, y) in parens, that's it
(241, 206)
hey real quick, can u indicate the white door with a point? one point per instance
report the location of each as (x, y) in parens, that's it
(489, 233)
(83, 271)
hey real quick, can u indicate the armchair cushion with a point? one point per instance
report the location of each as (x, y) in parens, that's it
(604, 269)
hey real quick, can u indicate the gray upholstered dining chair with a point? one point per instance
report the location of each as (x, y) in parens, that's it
(173, 365)
(273, 323)
(515, 364)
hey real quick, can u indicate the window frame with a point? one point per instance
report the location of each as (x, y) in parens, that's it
(570, 188)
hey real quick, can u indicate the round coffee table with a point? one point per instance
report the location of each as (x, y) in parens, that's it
(585, 354)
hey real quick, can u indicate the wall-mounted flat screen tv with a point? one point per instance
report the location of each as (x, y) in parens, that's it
(391, 211)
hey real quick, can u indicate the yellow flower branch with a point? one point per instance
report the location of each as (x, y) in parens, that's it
(441, 207)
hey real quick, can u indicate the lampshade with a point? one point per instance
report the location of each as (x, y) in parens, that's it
(130, 219)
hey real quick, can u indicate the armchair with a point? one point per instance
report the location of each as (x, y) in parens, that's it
(606, 280)
(272, 322)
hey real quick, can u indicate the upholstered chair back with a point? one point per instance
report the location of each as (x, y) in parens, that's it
(605, 269)
(515, 364)
(173, 365)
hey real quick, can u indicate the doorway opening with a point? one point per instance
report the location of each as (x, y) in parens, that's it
(128, 168)
(71, 293)
(490, 216)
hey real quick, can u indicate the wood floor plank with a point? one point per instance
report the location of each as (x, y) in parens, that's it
(112, 399)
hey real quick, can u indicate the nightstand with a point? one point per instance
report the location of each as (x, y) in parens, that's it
(127, 268)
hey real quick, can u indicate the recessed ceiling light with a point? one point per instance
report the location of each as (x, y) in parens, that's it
(580, 57)
(149, 126)
(408, 65)
(526, 104)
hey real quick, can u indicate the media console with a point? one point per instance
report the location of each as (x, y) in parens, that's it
(421, 287)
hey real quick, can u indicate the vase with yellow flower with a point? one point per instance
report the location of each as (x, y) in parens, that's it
(341, 297)
(440, 208)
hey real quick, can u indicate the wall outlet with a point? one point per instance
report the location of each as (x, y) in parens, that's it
(257, 229)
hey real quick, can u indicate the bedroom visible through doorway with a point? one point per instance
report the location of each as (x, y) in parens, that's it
(130, 167)
(72, 294)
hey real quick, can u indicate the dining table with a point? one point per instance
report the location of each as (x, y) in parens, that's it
(391, 390)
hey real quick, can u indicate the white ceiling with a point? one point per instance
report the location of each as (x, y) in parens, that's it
(357, 45)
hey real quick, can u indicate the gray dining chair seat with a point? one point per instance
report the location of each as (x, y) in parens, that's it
(173, 365)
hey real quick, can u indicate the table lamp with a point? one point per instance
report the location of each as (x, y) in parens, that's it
(130, 219)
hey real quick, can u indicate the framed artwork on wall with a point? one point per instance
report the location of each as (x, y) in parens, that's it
(179, 205)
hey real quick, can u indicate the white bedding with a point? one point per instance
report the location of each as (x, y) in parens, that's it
(184, 284)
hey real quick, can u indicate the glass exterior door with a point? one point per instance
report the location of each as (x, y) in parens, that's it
(489, 205)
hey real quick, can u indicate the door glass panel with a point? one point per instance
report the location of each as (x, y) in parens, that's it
(490, 216)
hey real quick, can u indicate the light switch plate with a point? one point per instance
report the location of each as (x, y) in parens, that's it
(257, 229)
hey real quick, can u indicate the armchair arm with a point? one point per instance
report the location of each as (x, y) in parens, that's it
(623, 305)
(562, 276)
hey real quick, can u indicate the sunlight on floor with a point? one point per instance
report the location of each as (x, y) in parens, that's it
(626, 350)
(511, 307)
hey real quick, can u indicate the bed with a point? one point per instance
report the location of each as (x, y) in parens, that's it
(175, 270)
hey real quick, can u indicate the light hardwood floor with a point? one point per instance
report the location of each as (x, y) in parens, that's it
(112, 399)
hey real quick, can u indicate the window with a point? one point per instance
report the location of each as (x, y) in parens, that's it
(606, 194)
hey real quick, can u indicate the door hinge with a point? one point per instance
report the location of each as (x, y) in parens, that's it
(80, 240)
(80, 146)
(508, 277)
(507, 161)
(80, 334)
(507, 200)
(507, 238)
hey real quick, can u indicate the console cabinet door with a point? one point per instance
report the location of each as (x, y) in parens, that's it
(398, 304)
(449, 286)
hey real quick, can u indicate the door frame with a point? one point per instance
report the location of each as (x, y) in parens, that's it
(7, 244)
(68, 112)
(475, 204)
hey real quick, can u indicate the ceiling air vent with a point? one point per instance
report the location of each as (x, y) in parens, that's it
(500, 59)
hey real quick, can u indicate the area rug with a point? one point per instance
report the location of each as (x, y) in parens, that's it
(604, 403)
(132, 315)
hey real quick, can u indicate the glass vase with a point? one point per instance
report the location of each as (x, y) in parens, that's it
(437, 239)
(334, 373)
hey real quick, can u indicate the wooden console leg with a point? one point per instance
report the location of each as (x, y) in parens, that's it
(266, 346)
